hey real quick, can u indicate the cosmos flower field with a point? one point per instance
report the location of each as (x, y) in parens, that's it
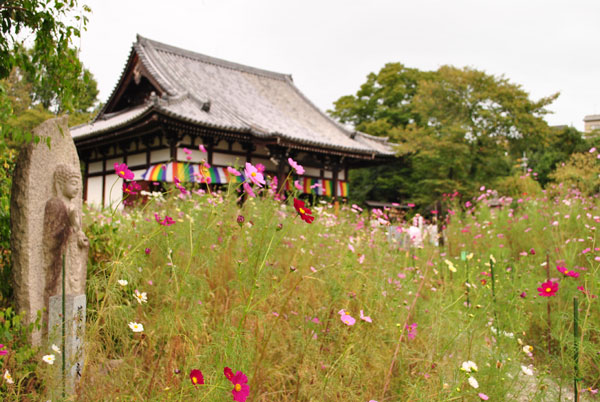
(198, 296)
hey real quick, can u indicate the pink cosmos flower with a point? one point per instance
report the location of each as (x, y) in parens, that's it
(254, 175)
(563, 270)
(241, 389)
(412, 330)
(297, 185)
(297, 167)
(201, 148)
(233, 171)
(168, 221)
(187, 151)
(548, 289)
(123, 171)
(346, 318)
(3, 351)
(260, 167)
(364, 317)
(483, 396)
(248, 190)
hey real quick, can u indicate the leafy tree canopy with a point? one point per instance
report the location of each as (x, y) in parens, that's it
(456, 128)
(40, 71)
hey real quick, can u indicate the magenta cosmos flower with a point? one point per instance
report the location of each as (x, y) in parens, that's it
(2, 350)
(168, 221)
(123, 171)
(563, 270)
(254, 175)
(548, 289)
(241, 389)
(297, 167)
(131, 188)
(196, 377)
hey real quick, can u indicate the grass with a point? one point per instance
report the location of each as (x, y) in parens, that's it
(264, 298)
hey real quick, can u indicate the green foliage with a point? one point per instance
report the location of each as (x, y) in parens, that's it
(581, 171)
(22, 359)
(518, 185)
(456, 128)
(7, 163)
(266, 301)
(49, 24)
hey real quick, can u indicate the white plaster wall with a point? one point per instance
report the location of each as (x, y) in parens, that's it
(136, 159)
(220, 159)
(94, 191)
(222, 145)
(138, 173)
(261, 150)
(267, 162)
(308, 171)
(197, 155)
(95, 167)
(328, 174)
(160, 155)
(111, 198)
(341, 175)
(110, 164)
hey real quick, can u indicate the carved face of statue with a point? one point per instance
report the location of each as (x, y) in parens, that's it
(70, 188)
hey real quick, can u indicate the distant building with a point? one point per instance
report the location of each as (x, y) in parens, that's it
(169, 101)
(591, 123)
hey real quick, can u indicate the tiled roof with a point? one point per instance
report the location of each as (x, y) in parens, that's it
(241, 98)
(592, 117)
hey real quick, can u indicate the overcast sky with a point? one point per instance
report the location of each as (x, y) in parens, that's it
(329, 46)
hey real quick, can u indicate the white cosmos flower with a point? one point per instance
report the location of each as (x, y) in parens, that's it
(469, 366)
(526, 370)
(8, 377)
(140, 297)
(527, 349)
(55, 348)
(49, 359)
(473, 382)
(122, 282)
(136, 327)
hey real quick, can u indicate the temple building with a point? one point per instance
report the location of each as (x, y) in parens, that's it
(169, 101)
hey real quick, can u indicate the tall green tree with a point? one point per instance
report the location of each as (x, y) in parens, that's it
(46, 28)
(456, 128)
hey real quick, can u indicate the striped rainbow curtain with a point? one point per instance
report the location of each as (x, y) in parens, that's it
(189, 173)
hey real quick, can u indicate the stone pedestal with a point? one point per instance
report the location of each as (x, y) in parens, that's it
(74, 335)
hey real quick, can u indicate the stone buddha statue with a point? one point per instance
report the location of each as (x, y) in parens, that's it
(63, 236)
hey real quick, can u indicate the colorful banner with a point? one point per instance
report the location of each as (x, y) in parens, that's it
(189, 173)
(194, 173)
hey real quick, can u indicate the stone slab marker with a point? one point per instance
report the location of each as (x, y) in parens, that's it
(45, 212)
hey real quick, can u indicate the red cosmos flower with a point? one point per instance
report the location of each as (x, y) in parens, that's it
(196, 377)
(304, 212)
(241, 389)
(548, 289)
(168, 221)
(572, 274)
(123, 171)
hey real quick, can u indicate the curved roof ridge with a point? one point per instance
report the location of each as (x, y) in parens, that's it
(383, 140)
(211, 60)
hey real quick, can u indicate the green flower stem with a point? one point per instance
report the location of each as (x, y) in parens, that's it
(576, 346)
